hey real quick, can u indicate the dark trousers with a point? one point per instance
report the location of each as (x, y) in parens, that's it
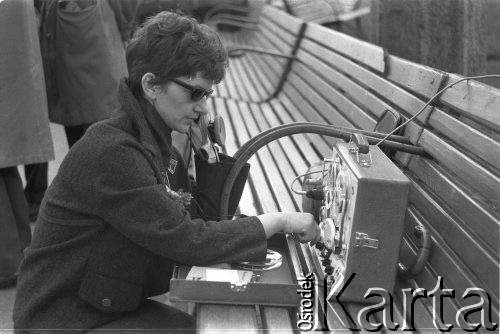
(37, 174)
(15, 233)
(36, 182)
(74, 133)
(151, 317)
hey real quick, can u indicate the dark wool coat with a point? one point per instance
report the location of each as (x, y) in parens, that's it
(108, 233)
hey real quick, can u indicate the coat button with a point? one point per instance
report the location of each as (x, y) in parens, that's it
(106, 302)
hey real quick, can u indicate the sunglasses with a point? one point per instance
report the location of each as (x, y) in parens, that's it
(197, 93)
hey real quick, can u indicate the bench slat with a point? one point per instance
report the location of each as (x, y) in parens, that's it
(276, 320)
(340, 101)
(326, 112)
(268, 162)
(474, 99)
(267, 203)
(402, 100)
(285, 20)
(464, 206)
(419, 79)
(323, 146)
(427, 280)
(471, 173)
(214, 318)
(301, 141)
(360, 95)
(446, 253)
(364, 52)
(284, 153)
(472, 140)
(247, 204)
(283, 38)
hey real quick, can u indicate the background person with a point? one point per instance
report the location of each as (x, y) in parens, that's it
(83, 52)
(24, 127)
(118, 215)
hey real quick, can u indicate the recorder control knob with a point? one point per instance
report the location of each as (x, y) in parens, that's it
(328, 270)
(326, 262)
(320, 246)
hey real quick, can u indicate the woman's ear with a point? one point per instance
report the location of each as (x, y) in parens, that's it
(148, 87)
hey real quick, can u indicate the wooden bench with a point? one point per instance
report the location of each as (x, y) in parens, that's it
(336, 14)
(335, 79)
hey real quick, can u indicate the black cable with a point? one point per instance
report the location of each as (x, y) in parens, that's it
(264, 138)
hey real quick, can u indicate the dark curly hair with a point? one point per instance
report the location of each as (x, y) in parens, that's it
(171, 45)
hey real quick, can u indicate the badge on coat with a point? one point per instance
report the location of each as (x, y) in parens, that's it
(172, 165)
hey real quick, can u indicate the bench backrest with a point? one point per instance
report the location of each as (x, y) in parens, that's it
(456, 193)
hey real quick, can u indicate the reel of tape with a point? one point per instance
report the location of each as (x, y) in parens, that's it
(273, 260)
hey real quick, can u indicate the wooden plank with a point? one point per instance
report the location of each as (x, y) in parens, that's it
(265, 77)
(475, 100)
(221, 89)
(269, 67)
(249, 80)
(281, 34)
(233, 79)
(323, 145)
(247, 204)
(326, 112)
(212, 318)
(265, 87)
(472, 140)
(285, 166)
(474, 215)
(477, 177)
(290, 145)
(300, 140)
(359, 94)
(282, 18)
(268, 37)
(447, 259)
(340, 101)
(272, 173)
(277, 320)
(246, 82)
(419, 79)
(229, 84)
(260, 187)
(422, 317)
(427, 279)
(353, 48)
(404, 100)
(303, 111)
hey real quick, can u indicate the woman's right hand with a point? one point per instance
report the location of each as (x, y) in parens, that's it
(301, 224)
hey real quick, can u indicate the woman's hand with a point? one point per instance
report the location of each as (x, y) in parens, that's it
(301, 224)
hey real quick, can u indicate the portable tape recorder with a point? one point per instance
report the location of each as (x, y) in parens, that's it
(361, 217)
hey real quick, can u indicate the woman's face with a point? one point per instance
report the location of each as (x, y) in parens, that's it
(175, 105)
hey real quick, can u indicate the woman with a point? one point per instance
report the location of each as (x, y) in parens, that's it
(110, 227)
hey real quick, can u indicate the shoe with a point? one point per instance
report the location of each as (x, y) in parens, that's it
(8, 282)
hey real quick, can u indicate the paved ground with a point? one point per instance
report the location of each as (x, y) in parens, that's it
(7, 296)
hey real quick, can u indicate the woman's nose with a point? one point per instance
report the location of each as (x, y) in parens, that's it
(202, 106)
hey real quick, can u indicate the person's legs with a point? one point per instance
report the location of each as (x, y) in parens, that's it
(36, 185)
(74, 133)
(14, 225)
(152, 316)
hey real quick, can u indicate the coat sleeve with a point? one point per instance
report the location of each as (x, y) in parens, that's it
(128, 197)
